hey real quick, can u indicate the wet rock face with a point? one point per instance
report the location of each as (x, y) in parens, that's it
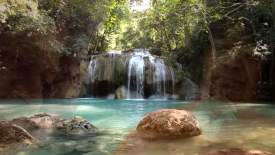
(13, 134)
(237, 151)
(168, 123)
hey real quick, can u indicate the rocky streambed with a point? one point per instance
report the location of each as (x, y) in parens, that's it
(23, 132)
(165, 127)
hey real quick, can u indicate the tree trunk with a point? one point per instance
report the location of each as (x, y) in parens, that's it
(272, 49)
(209, 62)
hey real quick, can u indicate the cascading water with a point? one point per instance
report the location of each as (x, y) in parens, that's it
(160, 77)
(140, 73)
(136, 75)
(102, 71)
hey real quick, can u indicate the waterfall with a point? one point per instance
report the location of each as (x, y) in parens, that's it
(160, 77)
(172, 78)
(136, 74)
(142, 74)
(156, 68)
(92, 68)
(102, 69)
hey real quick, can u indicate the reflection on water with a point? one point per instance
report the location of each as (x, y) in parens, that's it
(224, 125)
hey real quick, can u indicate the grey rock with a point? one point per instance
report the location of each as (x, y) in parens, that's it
(77, 126)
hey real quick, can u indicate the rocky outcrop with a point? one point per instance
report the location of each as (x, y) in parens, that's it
(231, 68)
(236, 151)
(32, 72)
(42, 51)
(70, 80)
(12, 134)
(168, 123)
(235, 78)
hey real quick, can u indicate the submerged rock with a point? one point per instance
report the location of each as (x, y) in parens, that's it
(168, 123)
(77, 126)
(237, 151)
(12, 134)
(20, 132)
(38, 121)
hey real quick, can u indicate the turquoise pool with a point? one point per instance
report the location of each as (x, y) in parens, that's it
(250, 126)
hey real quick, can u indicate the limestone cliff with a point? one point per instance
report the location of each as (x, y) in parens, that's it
(42, 49)
(234, 72)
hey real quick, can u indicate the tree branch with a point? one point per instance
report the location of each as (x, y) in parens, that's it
(234, 10)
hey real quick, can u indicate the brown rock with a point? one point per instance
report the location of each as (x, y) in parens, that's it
(120, 93)
(38, 121)
(12, 134)
(235, 79)
(168, 123)
(237, 151)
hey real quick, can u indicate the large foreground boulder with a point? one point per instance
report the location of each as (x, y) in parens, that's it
(168, 123)
(237, 151)
(12, 134)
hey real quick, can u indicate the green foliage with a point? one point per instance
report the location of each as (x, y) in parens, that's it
(177, 29)
(166, 26)
(180, 30)
(24, 16)
(72, 25)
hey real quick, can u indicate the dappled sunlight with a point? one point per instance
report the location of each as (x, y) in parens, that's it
(140, 6)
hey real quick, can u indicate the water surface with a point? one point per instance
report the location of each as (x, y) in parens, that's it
(224, 125)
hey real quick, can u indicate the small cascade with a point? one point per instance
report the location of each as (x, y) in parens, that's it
(136, 75)
(102, 70)
(141, 74)
(160, 77)
(172, 77)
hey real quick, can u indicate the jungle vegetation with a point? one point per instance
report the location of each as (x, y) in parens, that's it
(180, 30)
